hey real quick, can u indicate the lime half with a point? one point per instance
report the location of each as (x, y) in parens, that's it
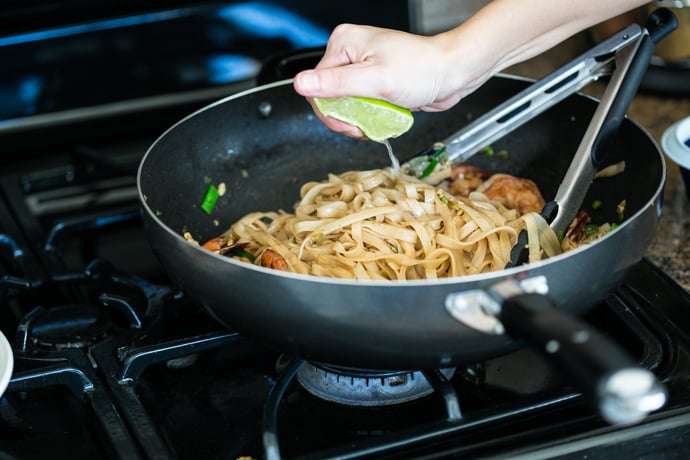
(379, 120)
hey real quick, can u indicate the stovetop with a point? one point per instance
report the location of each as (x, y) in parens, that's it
(111, 360)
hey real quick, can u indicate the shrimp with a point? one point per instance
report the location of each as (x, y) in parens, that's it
(513, 192)
(271, 259)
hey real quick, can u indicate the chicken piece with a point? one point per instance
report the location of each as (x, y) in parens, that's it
(513, 192)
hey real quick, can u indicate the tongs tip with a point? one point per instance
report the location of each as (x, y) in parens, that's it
(431, 165)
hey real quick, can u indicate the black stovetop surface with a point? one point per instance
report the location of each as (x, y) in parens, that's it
(112, 361)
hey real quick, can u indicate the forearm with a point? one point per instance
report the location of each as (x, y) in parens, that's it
(512, 31)
(434, 73)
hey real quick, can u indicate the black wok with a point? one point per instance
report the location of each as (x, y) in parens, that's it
(266, 142)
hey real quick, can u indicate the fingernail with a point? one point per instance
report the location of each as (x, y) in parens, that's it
(308, 81)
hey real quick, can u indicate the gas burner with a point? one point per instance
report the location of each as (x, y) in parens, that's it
(79, 309)
(65, 326)
(356, 387)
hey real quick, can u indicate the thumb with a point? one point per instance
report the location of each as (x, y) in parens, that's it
(334, 82)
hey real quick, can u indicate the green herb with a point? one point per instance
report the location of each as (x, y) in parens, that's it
(158, 213)
(244, 255)
(429, 169)
(434, 159)
(488, 150)
(596, 204)
(210, 199)
(245, 174)
(561, 235)
(591, 229)
(613, 226)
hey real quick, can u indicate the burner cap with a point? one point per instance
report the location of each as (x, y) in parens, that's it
(69, 326)
(365, 387)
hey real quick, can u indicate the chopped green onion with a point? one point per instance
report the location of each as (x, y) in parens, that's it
(429, 169)
(488, 150)
(614, 226)
(591, 229)
(596, 204)
(434, 159)
(210, 199)
(243, 255)
(561, 235)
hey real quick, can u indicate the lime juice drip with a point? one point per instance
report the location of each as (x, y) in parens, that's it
(395, 163)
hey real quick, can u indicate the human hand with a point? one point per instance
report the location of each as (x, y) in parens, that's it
(408, 70)
(434, 73)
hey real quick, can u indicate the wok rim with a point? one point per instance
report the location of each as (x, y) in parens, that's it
(483, 277)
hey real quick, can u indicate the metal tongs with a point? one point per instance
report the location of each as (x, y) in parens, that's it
(624, 56)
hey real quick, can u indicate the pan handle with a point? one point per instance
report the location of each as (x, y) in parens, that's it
(624, 392)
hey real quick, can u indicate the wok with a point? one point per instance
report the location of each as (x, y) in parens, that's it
(266, 142)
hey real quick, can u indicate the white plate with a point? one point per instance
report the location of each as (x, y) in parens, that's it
(6, 363)
(673, 142)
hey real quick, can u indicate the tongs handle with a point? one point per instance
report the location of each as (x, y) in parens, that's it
(630, 68)
(631, 64)
(538, 97)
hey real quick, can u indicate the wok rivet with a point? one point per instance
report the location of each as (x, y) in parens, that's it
(552, 346)
(265, 109)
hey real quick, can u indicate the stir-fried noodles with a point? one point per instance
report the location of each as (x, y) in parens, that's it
(375, 225)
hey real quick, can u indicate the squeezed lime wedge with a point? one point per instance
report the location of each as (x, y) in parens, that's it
(379, 120)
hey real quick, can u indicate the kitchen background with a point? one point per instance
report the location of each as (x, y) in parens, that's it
(117, 364)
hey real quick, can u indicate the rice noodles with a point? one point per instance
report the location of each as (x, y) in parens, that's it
(378, 225)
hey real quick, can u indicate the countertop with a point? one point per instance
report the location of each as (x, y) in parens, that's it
(670, 248)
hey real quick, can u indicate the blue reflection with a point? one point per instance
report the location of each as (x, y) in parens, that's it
(270, 21)
(21, 97)
(231, 67)
(30, 89)
(91, 27)
(53, 69)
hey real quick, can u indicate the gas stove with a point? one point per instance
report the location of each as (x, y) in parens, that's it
(112, 360)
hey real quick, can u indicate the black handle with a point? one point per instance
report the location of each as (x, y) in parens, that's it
(622, 390)
(281, 66)
(659, 24)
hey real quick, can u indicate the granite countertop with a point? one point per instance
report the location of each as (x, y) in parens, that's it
(670, 248)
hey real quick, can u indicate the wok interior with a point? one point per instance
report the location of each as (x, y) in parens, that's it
(265, 144)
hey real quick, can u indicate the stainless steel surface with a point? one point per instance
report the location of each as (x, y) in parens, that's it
(670, 248)
(539, 97)
(582, 169)
(629, 395)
